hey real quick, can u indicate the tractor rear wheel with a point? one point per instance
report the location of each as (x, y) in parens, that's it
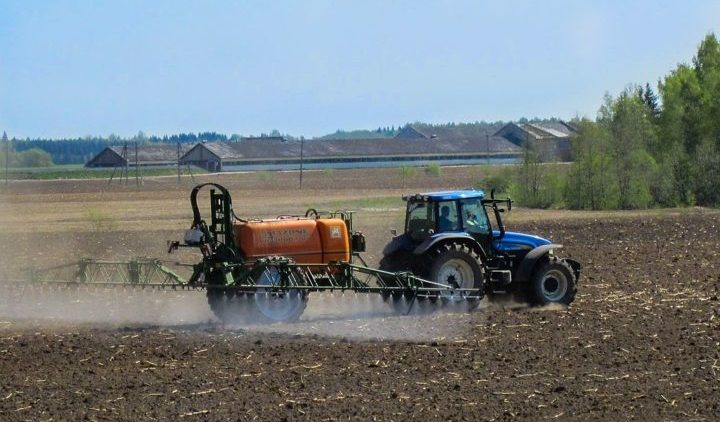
(553, 282)
(395, 262)
(458, 266)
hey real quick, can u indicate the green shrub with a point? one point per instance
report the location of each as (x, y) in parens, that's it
(266, 176)
(501, 181)
(543, 188)
(433, 169)
(590, 185)
(100, 221)
(406, 173)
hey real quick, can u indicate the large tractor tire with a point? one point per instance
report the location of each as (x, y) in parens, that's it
(553, 281)
(459, 266)
(396, 261)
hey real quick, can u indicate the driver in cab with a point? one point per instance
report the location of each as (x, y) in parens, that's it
(445, 223)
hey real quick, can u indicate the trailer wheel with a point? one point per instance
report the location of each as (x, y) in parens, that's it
(228, 305)
(216, 295)
(459, 267)
(553, 282)
(277, 303)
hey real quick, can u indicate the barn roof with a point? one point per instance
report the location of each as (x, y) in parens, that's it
(552, 129)
(458, 131)
(545, 130)
(561, 128)
(155, 153)
(265, 138)
(254, 148)
(147, 155)
(264, 148)
(446, 145)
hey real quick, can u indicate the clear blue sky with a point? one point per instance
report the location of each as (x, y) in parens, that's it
(73, 68)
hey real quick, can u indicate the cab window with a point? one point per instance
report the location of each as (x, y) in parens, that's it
(448, 216)
(420, 220)
(474, 217)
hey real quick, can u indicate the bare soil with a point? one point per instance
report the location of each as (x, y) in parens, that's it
(642, 339)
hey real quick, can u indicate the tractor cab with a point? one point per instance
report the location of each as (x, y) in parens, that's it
(436, 214)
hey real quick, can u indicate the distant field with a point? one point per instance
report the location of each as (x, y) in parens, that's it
(397, 170)
(78, 171)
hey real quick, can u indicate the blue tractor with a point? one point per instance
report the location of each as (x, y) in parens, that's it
(457, 238)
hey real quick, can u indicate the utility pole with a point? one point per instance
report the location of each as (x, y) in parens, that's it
(7, 155)
(127, 163)
(137, 167)
(487, 147)
(178, 161)
(302, 147)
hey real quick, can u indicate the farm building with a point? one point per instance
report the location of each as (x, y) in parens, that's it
(217, 156)
(147, 155)
(213, 156)
(551, 138)
(414, 144)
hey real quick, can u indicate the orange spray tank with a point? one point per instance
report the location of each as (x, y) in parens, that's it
(305, 240)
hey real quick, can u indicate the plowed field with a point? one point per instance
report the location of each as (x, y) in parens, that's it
(642, 340)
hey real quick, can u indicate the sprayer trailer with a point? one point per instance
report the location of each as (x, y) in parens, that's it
(449, 254)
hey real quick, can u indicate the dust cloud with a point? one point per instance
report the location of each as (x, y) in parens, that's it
(346, 316)
(366, 317)
(95, 304)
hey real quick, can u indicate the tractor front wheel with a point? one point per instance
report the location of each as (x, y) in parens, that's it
(553, 282)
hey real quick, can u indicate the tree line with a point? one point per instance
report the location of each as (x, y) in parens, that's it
(33, 157)
(44, 152)
(380, 132)
(643, 149)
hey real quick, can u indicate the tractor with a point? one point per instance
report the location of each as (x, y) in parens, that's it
(450, 239)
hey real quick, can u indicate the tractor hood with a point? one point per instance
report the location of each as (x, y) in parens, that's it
(513, 241)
